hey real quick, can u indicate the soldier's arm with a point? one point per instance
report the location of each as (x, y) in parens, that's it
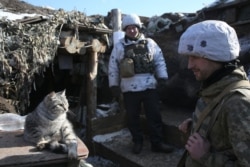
(236, 116)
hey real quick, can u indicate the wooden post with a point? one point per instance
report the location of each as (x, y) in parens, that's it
(92, 84)
(117, 34)
(116, 19)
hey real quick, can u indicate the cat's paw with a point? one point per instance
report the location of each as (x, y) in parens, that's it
(40, 146)
(72, 154)
(64, 148)
(58, 147)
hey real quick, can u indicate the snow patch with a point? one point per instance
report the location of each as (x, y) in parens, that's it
(13, 16)
(109, 136)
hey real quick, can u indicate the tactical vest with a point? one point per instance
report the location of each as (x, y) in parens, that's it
(139, 53)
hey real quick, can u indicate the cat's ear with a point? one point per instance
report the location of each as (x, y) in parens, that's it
(51, 94)
(62, 93)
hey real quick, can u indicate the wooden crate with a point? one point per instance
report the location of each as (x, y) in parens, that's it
(14, 151)
(108, 124)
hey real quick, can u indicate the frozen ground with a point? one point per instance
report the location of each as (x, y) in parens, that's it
(96, 161)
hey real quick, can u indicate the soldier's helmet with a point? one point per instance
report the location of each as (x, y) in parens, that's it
(211, 39)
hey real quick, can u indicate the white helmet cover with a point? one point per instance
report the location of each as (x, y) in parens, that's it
(211, 39)
(131, 19)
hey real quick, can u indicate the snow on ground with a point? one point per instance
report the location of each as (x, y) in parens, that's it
(97, 161)
(13, 16)
(108, 137)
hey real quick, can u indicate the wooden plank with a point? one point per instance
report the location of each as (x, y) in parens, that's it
(89, 29)
(119, 151)
(119, 158)
(36, 19)
(109, 124)
(14, 151)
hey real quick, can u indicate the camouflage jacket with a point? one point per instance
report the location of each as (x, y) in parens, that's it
(229, 136)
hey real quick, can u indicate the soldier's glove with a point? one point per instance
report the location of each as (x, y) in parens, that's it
(161, 84)
(116, 91)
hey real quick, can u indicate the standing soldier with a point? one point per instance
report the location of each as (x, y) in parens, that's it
(135, 66)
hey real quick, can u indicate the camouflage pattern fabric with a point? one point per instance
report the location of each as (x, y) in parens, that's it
(230, 134)
(143, 61)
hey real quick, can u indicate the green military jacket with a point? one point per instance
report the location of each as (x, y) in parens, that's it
(230, 134)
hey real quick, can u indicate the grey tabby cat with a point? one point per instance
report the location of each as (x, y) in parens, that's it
(48, 126)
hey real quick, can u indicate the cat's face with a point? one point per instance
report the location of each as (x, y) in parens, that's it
(56, 103)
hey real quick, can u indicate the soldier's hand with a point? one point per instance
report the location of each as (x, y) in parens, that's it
(185, 126)
(161, 84)
(197, 146)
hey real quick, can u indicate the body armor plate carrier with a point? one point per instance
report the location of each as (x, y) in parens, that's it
(139, 53)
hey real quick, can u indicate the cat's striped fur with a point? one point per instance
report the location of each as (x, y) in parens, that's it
(48, 126)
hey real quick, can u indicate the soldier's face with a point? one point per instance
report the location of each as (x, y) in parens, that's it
(202, 67)
(132, 31)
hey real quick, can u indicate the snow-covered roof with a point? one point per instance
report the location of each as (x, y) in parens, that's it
(217, 2)
(13, 16)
